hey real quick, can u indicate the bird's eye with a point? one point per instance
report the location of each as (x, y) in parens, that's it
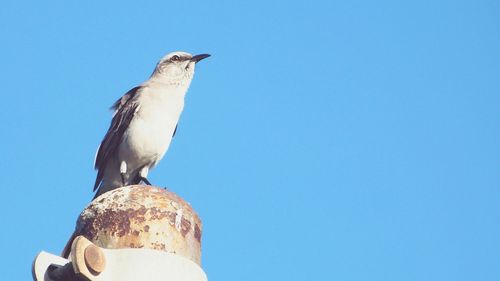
(175, 58)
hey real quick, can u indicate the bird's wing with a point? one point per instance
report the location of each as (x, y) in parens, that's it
(125, 109)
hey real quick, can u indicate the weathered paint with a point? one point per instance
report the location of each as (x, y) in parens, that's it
(142, 217)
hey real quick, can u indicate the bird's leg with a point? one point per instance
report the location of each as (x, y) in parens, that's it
(123, 171)
(143, 175)
(146, 181)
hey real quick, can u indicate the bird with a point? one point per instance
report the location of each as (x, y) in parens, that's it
(144, 122)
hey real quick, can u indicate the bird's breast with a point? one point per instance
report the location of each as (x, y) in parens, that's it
(150, 131)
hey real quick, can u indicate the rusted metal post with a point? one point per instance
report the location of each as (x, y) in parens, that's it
(139, 216)
(150, 220)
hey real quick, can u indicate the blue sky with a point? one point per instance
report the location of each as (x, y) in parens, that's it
(323, 140)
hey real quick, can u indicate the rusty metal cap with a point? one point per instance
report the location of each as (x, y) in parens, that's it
(140, 216)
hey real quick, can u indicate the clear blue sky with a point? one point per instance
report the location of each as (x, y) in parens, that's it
(323, 140)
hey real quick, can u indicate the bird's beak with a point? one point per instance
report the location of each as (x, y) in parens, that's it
(197, 58)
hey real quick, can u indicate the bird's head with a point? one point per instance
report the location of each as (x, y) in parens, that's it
(177, 67)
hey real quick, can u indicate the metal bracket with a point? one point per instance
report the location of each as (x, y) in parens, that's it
(92, 263)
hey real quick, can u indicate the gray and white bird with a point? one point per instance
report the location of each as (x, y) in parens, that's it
(144, 123)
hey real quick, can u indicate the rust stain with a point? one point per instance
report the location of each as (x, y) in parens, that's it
(185, 227)
(133, 245)
(123, 218)
(197, 233)
(114, 222)
(158, 214)
(159, 246)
